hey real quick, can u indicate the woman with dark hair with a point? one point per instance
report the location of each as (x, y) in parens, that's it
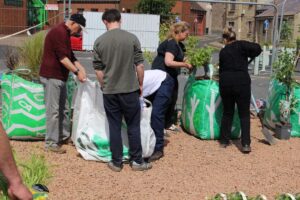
(235, 86)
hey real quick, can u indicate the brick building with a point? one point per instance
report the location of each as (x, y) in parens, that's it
(13, 15)
(242, 19)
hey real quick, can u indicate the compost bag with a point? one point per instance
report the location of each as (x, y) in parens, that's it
(23, 108)
(276, 93)
(90, 126)
(202, 110)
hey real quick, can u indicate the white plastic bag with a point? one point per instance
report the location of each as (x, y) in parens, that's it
(90, 131)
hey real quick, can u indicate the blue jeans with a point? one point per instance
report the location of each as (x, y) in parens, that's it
(161, 100)
(127, 105)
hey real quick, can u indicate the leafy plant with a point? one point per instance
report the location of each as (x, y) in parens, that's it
(33, 171)
(297, 46)
(283, 197)
(163, 31)
(286, 34)
(149, 57)
(284, 69)
(12, 58)
(31, 53)
(159, 7)
(198, 57)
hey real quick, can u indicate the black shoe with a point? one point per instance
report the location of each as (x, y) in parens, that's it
(114, 167)
(156, 156)
(224, 144)
(246, 149)
(140, 167)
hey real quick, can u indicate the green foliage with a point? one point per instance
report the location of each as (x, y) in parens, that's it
(3, 187)
(198, 57)
(286, 34)
(31, 53)
(163, 31)
(158, 7)
(298, 45)
(149, 56)
(283, 197)
(284, 69)
(34, 170)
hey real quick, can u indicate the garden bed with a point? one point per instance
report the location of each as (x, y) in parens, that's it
(191, 169)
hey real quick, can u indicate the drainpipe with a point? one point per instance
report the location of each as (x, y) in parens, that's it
(64, 10)
(70, 10)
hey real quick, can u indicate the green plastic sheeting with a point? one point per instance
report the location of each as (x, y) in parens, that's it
(272, 113)
(23, 108)
(202, 110)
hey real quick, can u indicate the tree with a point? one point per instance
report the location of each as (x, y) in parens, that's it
(159, 7)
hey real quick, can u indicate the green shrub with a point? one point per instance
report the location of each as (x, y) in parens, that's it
(31, 53)
(34, 170)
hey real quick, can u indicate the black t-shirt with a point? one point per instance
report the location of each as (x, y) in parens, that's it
(171, 46)
(234, 62)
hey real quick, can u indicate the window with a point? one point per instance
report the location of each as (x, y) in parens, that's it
(128, 10)
(250, 26)
(80, 10)
(231, 24)
(232, 6)
(94, 9)
(18, 3)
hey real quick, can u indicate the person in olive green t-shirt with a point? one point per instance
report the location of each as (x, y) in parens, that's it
(118, 62)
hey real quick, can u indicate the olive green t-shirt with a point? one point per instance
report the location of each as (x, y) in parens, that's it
(116, 53)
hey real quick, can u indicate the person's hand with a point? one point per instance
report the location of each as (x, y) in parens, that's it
(188, 66)
(81, 76)
(19, 192)
(141, 91)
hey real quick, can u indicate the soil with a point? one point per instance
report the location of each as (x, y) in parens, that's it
(191, 169)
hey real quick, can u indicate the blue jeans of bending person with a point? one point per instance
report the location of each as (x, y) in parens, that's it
(161, 101)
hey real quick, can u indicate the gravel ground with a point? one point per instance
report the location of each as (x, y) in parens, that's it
(191, 169)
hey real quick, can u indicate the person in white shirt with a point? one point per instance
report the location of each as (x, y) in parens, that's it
(156, 88)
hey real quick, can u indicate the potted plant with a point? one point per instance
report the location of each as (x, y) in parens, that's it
(199, 57)
(284, 73)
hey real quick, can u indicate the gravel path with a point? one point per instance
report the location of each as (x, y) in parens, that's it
(191, 169)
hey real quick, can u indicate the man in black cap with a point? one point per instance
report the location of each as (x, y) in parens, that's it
(58, 59)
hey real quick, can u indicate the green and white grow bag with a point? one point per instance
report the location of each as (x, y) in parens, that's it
(272, 114)
(23, 108)
(202, 110)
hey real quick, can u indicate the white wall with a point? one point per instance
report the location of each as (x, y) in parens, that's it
(145, 27)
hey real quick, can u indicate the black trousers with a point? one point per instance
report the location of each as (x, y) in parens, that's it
(239, 95)
(127, 105)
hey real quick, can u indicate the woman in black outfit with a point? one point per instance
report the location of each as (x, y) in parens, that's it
(170, 58)
(235, 85)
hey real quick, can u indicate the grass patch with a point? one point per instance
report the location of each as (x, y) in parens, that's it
(34, 170)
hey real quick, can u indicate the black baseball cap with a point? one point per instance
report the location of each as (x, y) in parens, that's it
(79, 19)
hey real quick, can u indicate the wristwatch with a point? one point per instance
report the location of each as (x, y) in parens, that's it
(76, 72)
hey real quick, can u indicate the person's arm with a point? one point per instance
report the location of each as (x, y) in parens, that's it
(138, 61)
(62, 51)
(251, 49)
(75, 69)
(98, 65)
(140, 75)
(173, 50)
(170, 62)
(16, 188)
(100, 75)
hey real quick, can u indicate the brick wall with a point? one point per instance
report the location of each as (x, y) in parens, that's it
(88, 7)
(128, 5)
(12, 18)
